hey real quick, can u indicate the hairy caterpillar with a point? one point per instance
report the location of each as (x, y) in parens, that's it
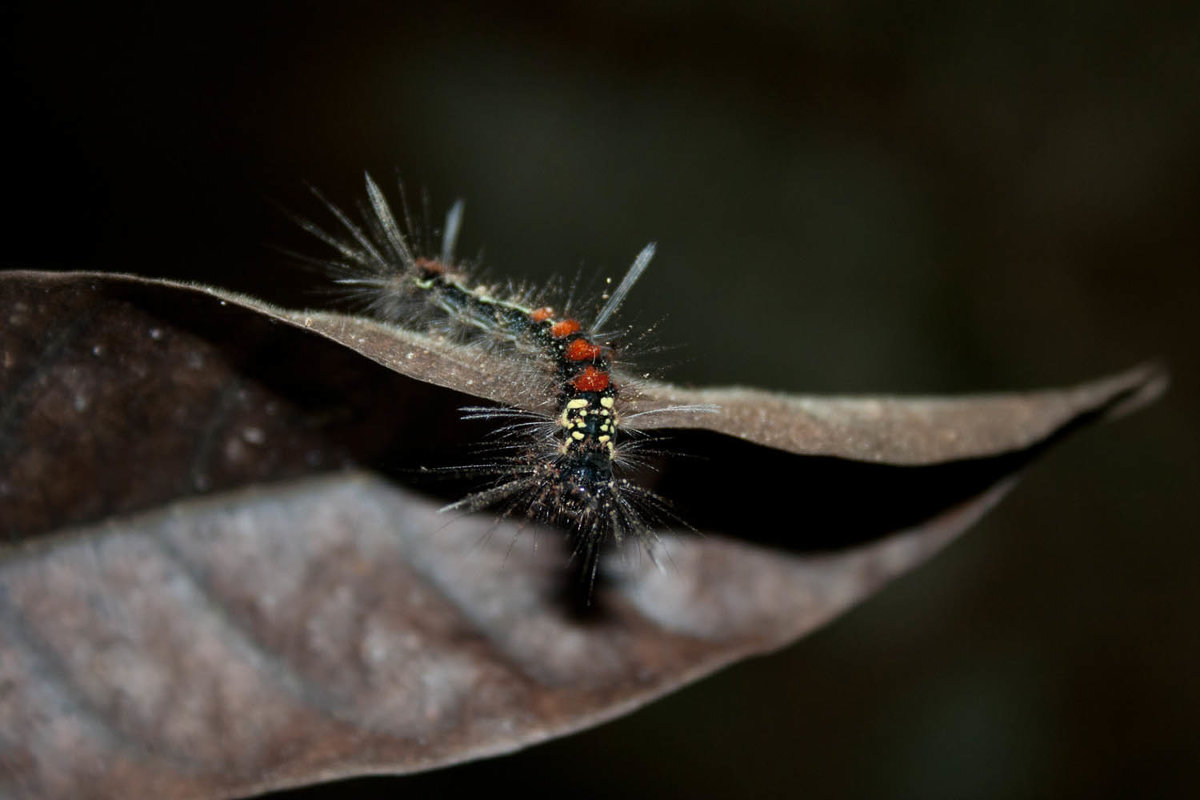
(562, 465)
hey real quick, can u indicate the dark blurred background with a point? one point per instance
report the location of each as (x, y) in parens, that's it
(847, 197)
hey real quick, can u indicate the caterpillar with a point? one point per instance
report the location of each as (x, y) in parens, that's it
(564, 464)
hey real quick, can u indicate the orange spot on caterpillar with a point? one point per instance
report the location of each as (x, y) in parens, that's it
(565, 328)
(542, 314)
(582, 350)
(430, 266)
(590, 380)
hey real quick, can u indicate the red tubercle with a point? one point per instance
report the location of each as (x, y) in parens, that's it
(566, 327)
(583, 350)
(430, 265)
(541, 314)
(590, 380)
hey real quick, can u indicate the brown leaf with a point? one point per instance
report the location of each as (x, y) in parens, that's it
(293, 627)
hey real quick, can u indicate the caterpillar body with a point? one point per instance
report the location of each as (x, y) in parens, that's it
(561, 466)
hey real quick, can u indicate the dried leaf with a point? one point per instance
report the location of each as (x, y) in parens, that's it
(191, 605)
